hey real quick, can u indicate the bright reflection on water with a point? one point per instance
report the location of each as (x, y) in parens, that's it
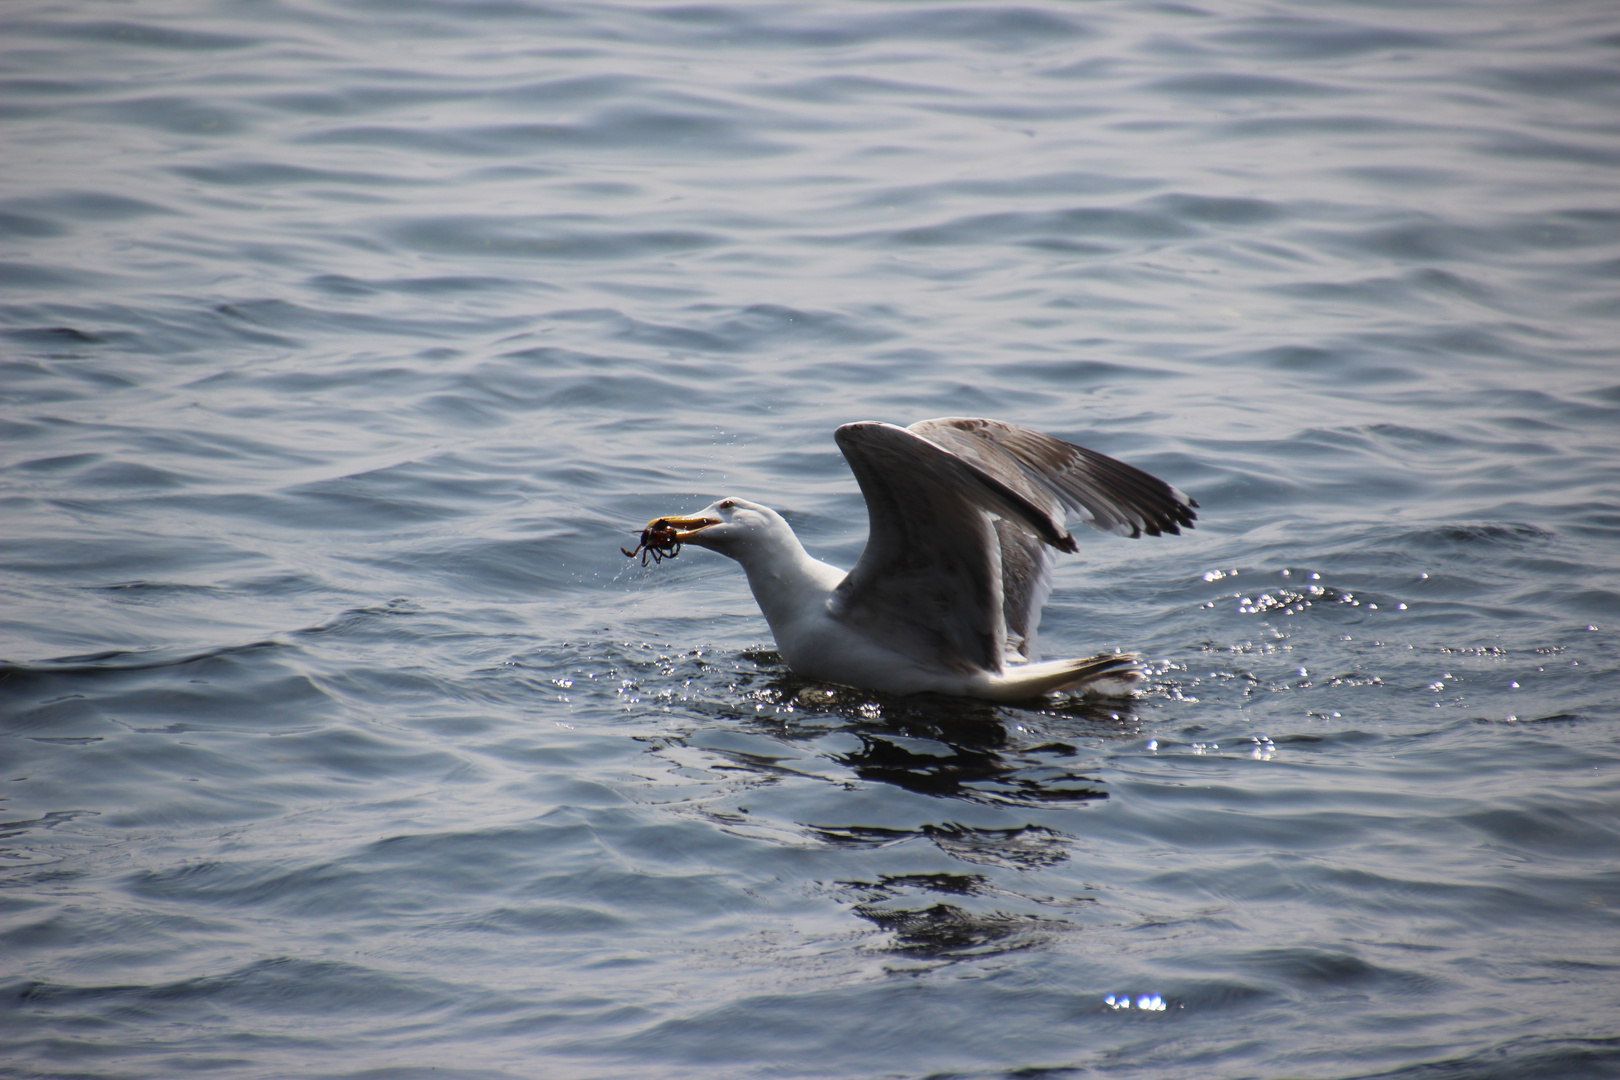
(1144, 1002)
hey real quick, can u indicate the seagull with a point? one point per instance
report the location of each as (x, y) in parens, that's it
(946, 598)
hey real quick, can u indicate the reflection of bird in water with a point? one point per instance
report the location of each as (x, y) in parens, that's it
(948, 593)
(954, 748)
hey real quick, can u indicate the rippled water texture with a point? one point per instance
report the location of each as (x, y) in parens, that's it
(345, 342)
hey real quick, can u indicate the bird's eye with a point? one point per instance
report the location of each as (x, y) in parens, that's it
(729, 504)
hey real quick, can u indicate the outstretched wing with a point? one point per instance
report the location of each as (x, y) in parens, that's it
(939, 579)
(929, 583)
(1057, 476)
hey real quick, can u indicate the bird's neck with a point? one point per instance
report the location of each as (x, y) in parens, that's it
(788, 584)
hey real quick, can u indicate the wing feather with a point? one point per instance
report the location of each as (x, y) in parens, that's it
(1026, 582)
(1058, 475)
(929, 582)
(962, 512)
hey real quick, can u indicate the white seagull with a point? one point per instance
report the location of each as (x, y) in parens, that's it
(947, 595)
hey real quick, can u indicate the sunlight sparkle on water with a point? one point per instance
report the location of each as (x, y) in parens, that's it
(1145, 1002)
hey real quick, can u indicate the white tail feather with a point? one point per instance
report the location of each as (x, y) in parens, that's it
(1107, 675)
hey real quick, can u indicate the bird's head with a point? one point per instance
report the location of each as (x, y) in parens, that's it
(729, 526)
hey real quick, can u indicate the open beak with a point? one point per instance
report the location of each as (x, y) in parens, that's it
(689, 524)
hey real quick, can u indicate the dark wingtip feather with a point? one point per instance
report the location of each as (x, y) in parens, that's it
(1116, 497)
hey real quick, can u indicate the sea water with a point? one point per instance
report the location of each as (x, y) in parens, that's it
(343, 344)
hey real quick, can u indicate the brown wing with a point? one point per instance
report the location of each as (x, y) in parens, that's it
(1058, 475)
(961, 513)
(930, 579)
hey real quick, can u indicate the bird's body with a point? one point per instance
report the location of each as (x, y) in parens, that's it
(947, 595)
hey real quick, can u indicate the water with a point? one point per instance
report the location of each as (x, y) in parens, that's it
(345, 342)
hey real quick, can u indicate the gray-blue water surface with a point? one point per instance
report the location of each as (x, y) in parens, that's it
(345, 341)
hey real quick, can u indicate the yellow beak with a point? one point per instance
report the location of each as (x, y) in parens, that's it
(690, 524)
